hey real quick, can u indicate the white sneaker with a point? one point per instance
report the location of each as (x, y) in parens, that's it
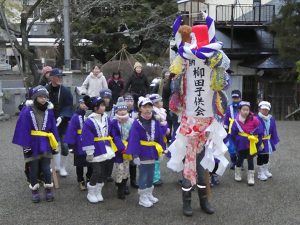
(62, 171)
(261, 173)
(143, 200)
(238, 174)
(251, 177)
(99, 191)
(150, 195)
(266, 171)
(91, 196)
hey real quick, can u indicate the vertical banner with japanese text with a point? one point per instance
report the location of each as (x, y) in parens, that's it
(198, 92)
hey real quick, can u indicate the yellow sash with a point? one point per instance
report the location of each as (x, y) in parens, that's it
(165, 139)
(79, 131)
(158, 147)
(52, 140)
(109, 138)
(265, 138)
(231, 120)
(253, 141)
(126, 156)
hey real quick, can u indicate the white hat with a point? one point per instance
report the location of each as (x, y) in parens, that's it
(144, 101)
(264, 105)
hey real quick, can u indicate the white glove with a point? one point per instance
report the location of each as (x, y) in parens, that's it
(137, 161)
(89, 158)
(58, 121)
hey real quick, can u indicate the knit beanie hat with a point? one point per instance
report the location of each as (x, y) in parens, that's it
(155, 98)
(39, 91)
(105, 92)
(244, 103)
(120, 105)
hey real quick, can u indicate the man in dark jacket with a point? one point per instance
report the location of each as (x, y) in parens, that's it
(62, 100)
(138, 84)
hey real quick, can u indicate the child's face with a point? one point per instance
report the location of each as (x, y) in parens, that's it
(42, 99)
(106, 100)
(265, 112)
(245, 110)
(100, 109)
(122, 112)
(146, 109)
(159, 104)
(129, 103)
(236, 99)
(83, 106)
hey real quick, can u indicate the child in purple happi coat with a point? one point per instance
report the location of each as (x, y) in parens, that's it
(37, 134)
(269, 140)
(246, 133)
(98, 146)
(132, 114)
(73, 139)
(145, 144)
(120, 128)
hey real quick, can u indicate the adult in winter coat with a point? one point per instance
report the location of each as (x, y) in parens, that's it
(116, 85)
(137, 84)
(94, 83)
(62, 99)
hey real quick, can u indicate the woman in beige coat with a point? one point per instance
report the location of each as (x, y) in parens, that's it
(94, 83)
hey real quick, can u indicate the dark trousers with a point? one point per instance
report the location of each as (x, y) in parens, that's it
(37, 166)
(109, 167)
(61, 132)
(262, 159)
(245, 154)
(80, 170)
(175, 124)
(200, 173)
(98, 174)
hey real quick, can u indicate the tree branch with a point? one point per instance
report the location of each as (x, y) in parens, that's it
(32, 8)
(31, 24)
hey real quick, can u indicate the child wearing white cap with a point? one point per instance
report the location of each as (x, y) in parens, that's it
(269, 140)
(161, 115)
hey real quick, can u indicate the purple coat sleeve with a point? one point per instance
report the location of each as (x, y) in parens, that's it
(53, 128)
(274, 135)
(226, 119)
(134, 146)
(71, 134)
(116, 134)
(23, 128)
(87, 136)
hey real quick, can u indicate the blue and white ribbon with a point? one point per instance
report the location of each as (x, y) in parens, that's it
(188, 51)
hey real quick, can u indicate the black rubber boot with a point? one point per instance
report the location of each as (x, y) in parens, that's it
(126, 189)
(121, 188)
(205, 206)
(132, 172)
(186, 200)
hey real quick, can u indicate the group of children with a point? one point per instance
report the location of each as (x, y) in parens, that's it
(97, 136)
(250, 135)
(121, 138)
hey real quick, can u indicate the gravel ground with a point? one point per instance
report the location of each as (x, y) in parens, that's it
(276, 201)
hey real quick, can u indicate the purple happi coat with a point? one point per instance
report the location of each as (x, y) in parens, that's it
(138, 133)
(26, 123)
(73, 136)
(274, 140)
(242, 143)
(91, 129)
(118, 137)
